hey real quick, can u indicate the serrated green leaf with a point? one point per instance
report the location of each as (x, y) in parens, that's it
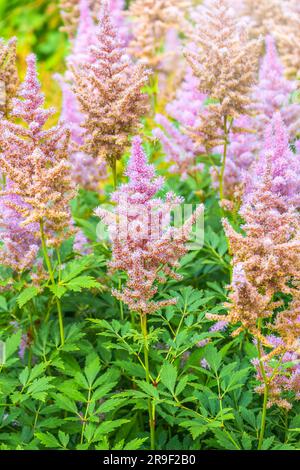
(82, 282)
(48, 440)
(58, 290)
(168, 376)
(26, 295)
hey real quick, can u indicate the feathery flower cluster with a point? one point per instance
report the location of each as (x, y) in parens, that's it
(151, 21)
(87, 172)
(9, 79)
(35, 161)
(70, 13)
(20, 246)
(179, 147)
(109, 94)
(287, 33)
(267, 259)
(273, 92)
(283, 378)
(280, 162)
(144, 245)
(225, 63)
(261, 15)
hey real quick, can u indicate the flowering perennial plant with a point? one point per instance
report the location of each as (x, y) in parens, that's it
(155, 305)
(144, 245)
(109, 92)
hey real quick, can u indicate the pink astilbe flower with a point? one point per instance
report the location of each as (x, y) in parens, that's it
(20, 246)
(177, 145)
(109, 94)
(34, 159)
(266, 260)
(225, 62)
(284, 378)
(281, 162)
(9, 79)
(87, 172)
(273, 92)
(81, 243)
(144, 245)
(85, 36)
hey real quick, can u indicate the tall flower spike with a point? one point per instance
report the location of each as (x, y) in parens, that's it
(282, 164)
(273, 91)
(267, 258)
(70, 12)
(144, 245)
(179, 148)
(20, 246)
(261, 15)
(225, 63)
(151, 20)
(109, 94)
(35, 161)
(287, 34)
(9, 78)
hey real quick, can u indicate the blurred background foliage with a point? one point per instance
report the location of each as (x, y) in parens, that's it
(36, 24)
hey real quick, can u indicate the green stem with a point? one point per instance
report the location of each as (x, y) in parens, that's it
(121, 303)
(151, 406)
(266, 392)
(221, 183)
(114, 171)
(51, 275)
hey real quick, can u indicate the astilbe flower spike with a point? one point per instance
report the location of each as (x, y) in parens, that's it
(109, 94)
(266, 260)
(20, 246)
(179, 148)
(144, 245)
(225, 63)
(273, 92)
(87, 172)
(35, 161)
(9, 79)
(151, 20)
(262, 15)
(287, 34)
(70, 13)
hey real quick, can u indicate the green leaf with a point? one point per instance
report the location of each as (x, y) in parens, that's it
(168, 376)
(3, 303)
(135, 444)
(82, 282)
(23, 376)
(267, 443)
(12, 344)
(64, 438)
(26, 295)
(92, 368)
(48, 440)
(39, 387)
(213, 357)
(149, 389)
(110, 404)
(65, 403)
(107, 427)
(58, 290)
(181, 385)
